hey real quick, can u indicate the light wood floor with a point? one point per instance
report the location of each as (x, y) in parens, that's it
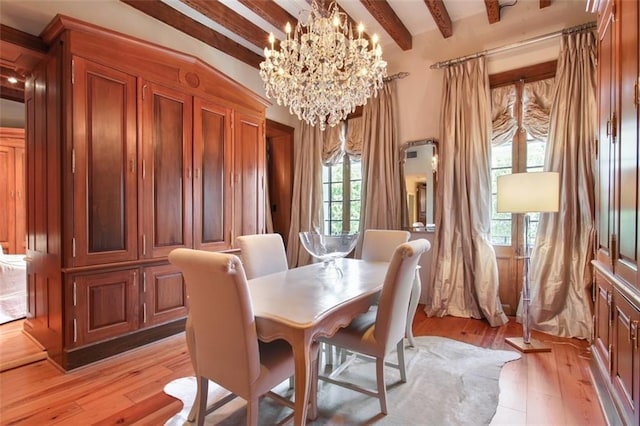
(540, 389)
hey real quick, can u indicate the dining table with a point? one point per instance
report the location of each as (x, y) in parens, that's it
(302, 304)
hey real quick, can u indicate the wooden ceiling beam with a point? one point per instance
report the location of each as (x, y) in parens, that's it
(493, 10)
(440, 16)
(350, 21)
(6, 72)
(270, 12)
(231, 20)
(22, 39)
(384, 14)
(10, 92)
(170, 16)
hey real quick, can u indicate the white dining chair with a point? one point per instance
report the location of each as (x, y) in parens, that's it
(222, 337)
(262, 254)
(377, 332)
(378, 246)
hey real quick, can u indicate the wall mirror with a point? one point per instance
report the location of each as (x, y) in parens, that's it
(420, 168)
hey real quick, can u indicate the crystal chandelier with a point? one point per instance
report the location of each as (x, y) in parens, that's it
(321, 72)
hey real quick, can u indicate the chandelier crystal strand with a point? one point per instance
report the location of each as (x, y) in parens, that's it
(321, 72)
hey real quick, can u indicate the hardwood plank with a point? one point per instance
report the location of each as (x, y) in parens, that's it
(543, 388)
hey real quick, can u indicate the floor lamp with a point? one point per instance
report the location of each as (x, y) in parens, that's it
(528, 193)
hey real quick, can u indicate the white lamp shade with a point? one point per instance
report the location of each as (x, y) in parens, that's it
(529, 192)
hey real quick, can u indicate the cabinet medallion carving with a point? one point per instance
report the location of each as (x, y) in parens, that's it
(192, 79)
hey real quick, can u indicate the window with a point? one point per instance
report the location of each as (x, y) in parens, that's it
(341, 185)
(502, 164)
(522, 153)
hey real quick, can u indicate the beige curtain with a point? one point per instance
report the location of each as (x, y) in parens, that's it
(466, 274)
(306, 205)
(537, 99)
(381, 204)
(503, 121)
(560, 262)
(355, 137)
(333, 144)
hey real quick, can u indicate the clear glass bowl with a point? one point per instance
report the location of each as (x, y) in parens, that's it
(328, 248)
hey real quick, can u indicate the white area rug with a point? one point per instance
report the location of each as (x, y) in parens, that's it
(448, 383)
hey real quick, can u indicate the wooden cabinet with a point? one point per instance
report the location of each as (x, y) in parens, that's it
(166, 170)
(603, 314)
(103, 165)
(625, 372)
(134, 151)
(12, 191)
(212, 165)
(249, 174)
(103, 305)
(164, 295)
(617, 285)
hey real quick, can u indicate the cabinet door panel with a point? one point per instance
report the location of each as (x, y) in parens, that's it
(105, 151)
(627, 162)
(249, 146)
(212, 179)
(605, 147)
(166, 170)
(164, 295)
(105, 305)
(626, 359)
(603, 302)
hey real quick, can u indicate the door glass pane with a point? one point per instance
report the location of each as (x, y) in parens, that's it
(535, 163)
(501, 164)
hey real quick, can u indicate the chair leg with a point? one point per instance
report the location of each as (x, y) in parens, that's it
(416, 289)
(201, 398)
(401, 364)
(382, 387)
(312, 413)
(191, 346)
(328, 353)
(252, 411)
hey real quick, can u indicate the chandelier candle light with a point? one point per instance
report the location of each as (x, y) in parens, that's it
(321, 72)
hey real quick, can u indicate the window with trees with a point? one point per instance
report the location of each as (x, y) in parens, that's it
(341, 185)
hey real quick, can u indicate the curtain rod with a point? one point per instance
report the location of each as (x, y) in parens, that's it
(577, 28)
(396, 76)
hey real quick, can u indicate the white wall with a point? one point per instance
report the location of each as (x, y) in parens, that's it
(420, 94)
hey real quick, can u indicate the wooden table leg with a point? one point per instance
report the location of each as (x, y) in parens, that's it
(302, 359)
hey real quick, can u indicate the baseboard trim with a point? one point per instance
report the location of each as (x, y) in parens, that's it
(88, 354)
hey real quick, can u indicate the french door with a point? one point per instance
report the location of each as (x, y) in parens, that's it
(521, 154)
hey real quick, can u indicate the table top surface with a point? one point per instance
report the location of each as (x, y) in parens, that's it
(302, 296)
